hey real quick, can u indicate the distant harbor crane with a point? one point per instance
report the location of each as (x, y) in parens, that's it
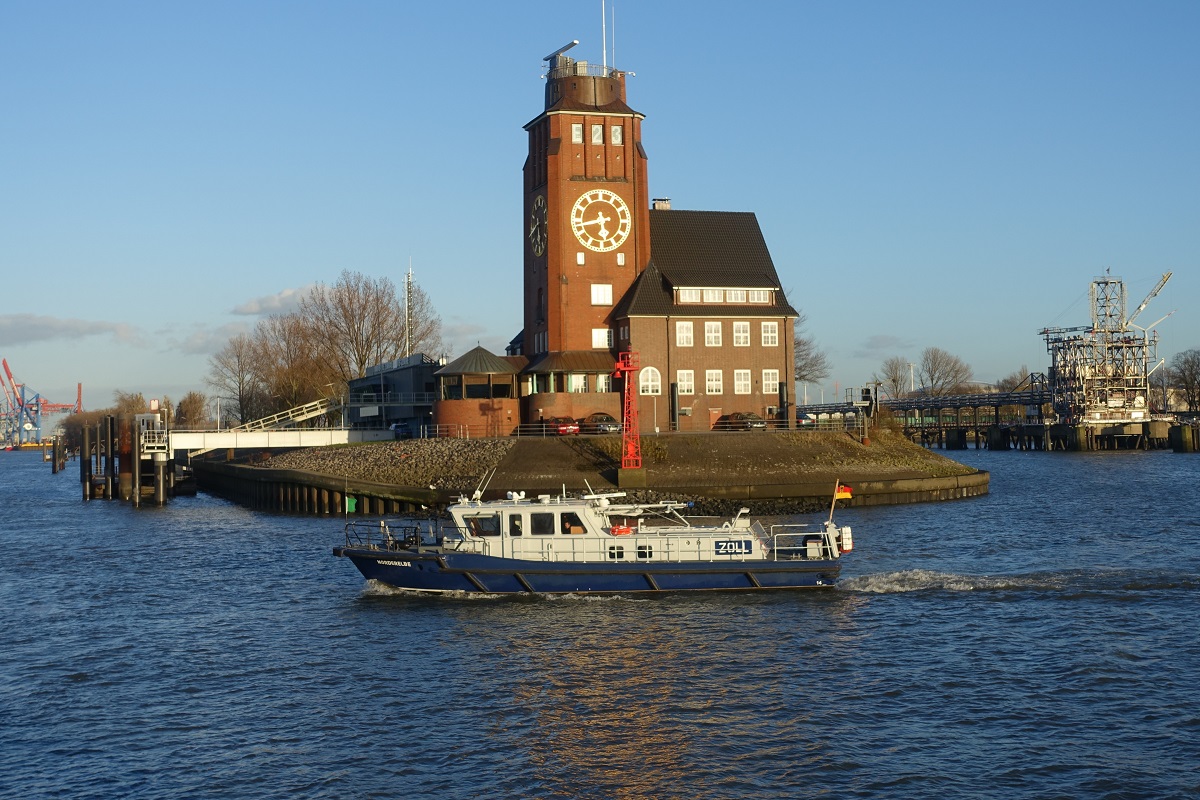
(1100, 374)
(21, 418)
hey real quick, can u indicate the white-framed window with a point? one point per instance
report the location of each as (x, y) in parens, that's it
(579, 258)
(577, 383)
(683, 334)
(760, 295)
(770, 382)
(689, 296)
(602, 338)
(604, 383)
(617, 134)
(735, 295)
(576, 133)
(770, 334)
(602, 294)
(649, 381)
(624, 335)
(741, 334)
(714, 295)
(714, 383)
(741, 381)
(686, 380)
(712, 334)
(597, 134)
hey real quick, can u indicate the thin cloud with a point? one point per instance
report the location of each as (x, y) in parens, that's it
(21, 329)
(205, 341)
(280, 303)
(882, 345)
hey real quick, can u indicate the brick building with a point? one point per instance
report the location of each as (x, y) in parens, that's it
(694, 293)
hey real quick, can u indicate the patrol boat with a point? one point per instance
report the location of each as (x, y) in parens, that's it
(592, 544)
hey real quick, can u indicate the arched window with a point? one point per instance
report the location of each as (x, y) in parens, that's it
(649, 381)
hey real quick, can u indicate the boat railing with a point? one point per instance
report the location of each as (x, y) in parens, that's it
(801, 542)
(382, 534)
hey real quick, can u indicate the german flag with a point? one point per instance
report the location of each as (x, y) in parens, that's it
(842, 493)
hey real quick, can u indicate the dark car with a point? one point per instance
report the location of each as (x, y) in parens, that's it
(746, 421)
(401, 430)
(600, 422)
(560, 426)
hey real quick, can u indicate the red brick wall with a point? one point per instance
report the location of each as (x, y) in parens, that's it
(655, 342)
(481, 417)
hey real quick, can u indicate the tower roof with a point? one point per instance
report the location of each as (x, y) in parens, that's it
(478, 362)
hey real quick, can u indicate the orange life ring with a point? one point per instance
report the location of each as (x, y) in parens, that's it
(621, 530)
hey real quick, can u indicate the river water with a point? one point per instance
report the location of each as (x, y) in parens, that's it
(1040, 642)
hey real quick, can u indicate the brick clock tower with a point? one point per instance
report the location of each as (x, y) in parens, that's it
(587, 230)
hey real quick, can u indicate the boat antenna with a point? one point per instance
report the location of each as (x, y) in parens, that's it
(483, 483)
(603, 39)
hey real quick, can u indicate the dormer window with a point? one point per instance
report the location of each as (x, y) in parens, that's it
(760, 295)
(714, 296)
(687, 296)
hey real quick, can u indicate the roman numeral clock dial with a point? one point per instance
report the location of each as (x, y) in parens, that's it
(537, 225)
(600, 220)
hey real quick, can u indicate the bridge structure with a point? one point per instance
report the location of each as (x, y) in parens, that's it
(275, 431)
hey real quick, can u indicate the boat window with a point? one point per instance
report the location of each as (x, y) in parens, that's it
(484, 525)
(616, 552)
(645, 551)
(514, 525)
(541, 524)
(571, 523)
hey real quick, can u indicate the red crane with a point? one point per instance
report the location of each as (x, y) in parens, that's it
(631, 441)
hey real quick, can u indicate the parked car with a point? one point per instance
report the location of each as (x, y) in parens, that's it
(401, 430)
(600, 422)
(746, 421)
(560, 426)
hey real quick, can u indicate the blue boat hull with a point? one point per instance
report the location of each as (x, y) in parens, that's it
(441, 571)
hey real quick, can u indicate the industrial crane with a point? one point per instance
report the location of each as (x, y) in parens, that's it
(23, 420)
(1158, 288)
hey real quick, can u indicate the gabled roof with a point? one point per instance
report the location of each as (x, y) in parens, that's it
(715, 249)
(478, 362)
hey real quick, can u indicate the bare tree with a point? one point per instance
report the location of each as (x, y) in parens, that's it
(425, 326)
(362, 322)
(286, 360)
(812, 365)
(894, 377)
(235, 375)
(1014, 380)
(192, 411)
(130, 402)
(1185, 375)
(942, 373)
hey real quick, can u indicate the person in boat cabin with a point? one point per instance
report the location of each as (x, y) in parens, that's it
(571, 523)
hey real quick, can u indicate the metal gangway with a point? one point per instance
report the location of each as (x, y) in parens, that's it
(238, 435)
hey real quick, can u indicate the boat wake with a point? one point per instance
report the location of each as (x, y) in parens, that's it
(1069, 583)
(375, 588)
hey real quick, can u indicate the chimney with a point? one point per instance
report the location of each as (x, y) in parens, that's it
(661, 204)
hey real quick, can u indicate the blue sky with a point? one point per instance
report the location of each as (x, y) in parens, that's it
(947, 174)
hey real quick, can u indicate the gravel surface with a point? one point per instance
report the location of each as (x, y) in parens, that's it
(682, 461)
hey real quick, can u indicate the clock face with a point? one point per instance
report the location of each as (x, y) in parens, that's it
(601, 220)
(537, 225)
